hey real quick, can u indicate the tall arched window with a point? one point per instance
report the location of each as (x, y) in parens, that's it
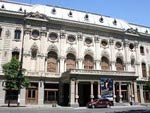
(17, 34)
(71, 61)
(52, 61)
(34, 50)
(88, 62)
(15, 54)
(141, 49)
(144, 69)
(119, 64)
(104, 63)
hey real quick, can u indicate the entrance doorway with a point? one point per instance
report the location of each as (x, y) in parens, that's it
(50, 93)
(84, 93)
(12, 96)
(32, 94)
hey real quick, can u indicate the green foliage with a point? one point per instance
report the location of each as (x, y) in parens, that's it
(13, 76)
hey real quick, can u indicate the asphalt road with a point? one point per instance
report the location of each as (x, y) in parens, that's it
(134, 109)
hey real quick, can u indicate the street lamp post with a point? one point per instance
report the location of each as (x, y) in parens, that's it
(20, 74)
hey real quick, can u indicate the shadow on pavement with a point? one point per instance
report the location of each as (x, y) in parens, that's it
(134, 111)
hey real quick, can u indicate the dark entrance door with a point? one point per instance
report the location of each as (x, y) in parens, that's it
(84, 93)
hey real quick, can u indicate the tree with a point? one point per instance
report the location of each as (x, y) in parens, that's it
(14, 78)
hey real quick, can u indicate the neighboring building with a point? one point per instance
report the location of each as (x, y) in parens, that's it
(70, 55)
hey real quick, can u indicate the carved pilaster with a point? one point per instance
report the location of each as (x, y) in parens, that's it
(111, 41)
(126, 43)
(136, 44)
(62, 34)
(96, 38)
(27, 31)
(80, 37)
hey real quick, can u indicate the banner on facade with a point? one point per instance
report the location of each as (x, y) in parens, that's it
(107, 88)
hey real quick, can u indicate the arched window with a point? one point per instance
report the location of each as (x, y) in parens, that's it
(71, 61)
(34, 50)
(15, 54)
(132, 62)
(119, 64)
(141, 49)
(144, 69)
(17, 34)
(52, 61)
(88, 62)
(104, 63)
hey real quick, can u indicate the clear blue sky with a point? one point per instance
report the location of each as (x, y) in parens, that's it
(133, 11)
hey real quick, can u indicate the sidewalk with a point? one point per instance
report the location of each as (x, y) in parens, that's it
(65, 107)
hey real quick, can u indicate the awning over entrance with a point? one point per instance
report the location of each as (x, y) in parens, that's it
(82, 73)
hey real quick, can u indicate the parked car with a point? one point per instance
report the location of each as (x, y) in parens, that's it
(108, 96)
(99, 103)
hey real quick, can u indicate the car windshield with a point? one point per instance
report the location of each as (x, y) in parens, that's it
(95, 100)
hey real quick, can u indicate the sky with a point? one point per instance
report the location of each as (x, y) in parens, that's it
(132, 11)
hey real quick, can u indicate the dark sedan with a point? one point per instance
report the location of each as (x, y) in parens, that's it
(99, 103)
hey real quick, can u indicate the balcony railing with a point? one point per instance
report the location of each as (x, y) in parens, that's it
(101, 72)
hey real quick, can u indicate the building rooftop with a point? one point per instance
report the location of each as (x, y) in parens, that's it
(73, 15)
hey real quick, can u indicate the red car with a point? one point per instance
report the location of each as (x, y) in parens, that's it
(99, 103)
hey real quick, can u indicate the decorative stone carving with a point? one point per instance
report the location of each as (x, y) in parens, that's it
(111, 41)
(136, 43)
(43, 33)
(7, 33)
(80, 37)
(89, 52)
(126, 42)
(71, 50)
(37, 15)
(133, 31)
(16, 49)
(62, 34)
(52, 47)
(96, 38)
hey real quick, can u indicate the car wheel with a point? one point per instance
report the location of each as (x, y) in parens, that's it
(108, 106)
(93, 106)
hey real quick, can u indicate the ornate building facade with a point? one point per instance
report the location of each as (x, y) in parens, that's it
(67, 54)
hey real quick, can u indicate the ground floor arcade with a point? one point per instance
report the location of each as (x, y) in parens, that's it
(76, 92)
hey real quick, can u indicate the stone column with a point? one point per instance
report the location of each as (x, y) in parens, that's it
(97, 65)
(2, 94)
(92, 96)
(129, 92)
(77, 96)
(112, 56)
(97, 53)
(80, 61)
(22, 96)
(135, 91)
(62, 64)
(40, 92)
(141, 93)
(120, 95)
(127, 62)
(132, 96)
(114, 93)
(99, 89)
(137, 63)
(72, 92)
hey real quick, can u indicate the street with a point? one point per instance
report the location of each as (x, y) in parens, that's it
(135, 109)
